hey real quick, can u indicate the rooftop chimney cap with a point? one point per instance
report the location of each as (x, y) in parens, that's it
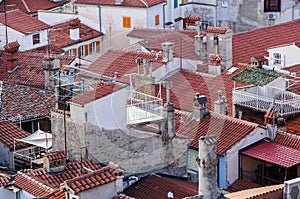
(74, 23)
(12, 46)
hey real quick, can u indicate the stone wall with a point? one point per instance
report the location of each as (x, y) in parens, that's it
(135, 151)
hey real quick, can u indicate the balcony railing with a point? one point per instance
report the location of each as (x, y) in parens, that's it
(286, 103)
(142, 108)
(258, 179)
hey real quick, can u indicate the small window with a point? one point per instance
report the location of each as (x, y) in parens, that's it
(36, 38)
(126, 22)
(277, 58)
(157, 20)
(94, 47)
(18, 195)
(70, 52)
(175, 3)
(224, 3)
(184, 1)
(82, 51)
(272, 5)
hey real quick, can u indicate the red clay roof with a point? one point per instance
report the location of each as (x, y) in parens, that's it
(228, 130)
(243, 184)
(56, 155)
(22, 22)
(30, 70)
(29, 6)
(9, 131)
(24, 101)
(4, 180)
(71, 171)
(288, 140)
(91, 180)
(155, 186)
(126, 3)
(123, 62)
(219, 30)
(275, 154)
(98, 93)
(31, 185)
(60, 36)
(255, 42)
(57, 194)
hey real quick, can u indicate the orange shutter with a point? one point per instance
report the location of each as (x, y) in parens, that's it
(97, 46)
(156, 20)
(91, 48)
(74, 52)
(126, 22)
(86, 50)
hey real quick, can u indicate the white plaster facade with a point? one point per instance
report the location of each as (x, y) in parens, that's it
(52, 18)
(25, 40)
(284, 56)
(106, 191)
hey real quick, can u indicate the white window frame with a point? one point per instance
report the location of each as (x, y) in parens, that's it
(70, 51)
(277, 58)
(94, 47)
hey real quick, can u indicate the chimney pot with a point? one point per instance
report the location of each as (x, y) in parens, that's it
(11, 54)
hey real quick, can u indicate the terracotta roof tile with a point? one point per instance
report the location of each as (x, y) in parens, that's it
(243, 184)
(57, 194)
(9, 131)
(24, 101)
(126, 3)
(56, 155)
(255, 42)
(29, 6)
(288, 140)
(22, 22)
(219, 30)
(228, 130)
(30, 70)
(4, 180)
(155, 186)
(98, 93)
(83, 183)
(275, 154)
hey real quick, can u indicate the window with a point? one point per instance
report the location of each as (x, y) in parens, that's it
(126, 22)
(70, 52)
(175, 3)
(36, 38)
(184, 1)
(82, 51)
(272, 5)
(157, 20)
(18, 195)
(224, 3)
(277, 58)
(94, 47)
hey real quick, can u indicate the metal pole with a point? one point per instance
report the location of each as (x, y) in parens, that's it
(5, 18)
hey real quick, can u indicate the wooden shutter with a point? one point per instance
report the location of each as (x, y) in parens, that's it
(91, 48)
(86, 50)
(97, 46)
(156, 20)
(126, 22)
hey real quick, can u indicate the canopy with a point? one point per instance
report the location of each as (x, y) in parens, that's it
(39, 138)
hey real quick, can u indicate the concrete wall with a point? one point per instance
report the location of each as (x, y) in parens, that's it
(4, 193)
(232, 156)
(136, 151)
(5, 155)
(206, 12)
(105, 191)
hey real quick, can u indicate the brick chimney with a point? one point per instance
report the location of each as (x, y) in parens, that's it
(167, 51)
(199, 107)
(207, 163)
(11, 54)
(74, 29)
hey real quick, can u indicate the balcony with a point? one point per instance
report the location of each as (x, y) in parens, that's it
(260, 98)
(143, 108)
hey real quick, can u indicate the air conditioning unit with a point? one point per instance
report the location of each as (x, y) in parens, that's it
(272, 16)
(292, 189)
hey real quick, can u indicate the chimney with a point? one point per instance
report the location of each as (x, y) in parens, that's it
(11, 53)
(50, 67)
(271, 122)
(167, 51)
(207, 163)
(199, 107)
(214, 64)
(145, 83)
(281, 124)
(74, 29)
(221, 105)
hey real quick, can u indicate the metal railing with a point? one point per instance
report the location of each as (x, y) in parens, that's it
(286, 103)
(143, 108)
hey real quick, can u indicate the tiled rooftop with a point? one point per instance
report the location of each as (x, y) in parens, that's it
(219, 30)
(288, 140)
(91, 180)
(4, 180)
(255, 42)
(9, 131)
(31, 185)
(228, 130)
(60, 36)
(29, 6)
(98, 93)
(243, 185)
(155, 186)
(57, 194)
(126, 3)
(24, 101)
(22, 22)
(274, 153)
(122, 62)
(30, 70)
(56, 155)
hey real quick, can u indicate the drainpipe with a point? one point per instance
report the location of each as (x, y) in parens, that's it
(100, 21)
(164, 15)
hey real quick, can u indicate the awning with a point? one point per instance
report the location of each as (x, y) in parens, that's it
(39, 138)
(273, 153)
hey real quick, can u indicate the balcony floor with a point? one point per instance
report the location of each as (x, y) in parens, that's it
(139, 116)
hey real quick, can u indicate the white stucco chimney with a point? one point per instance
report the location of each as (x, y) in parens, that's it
(221, 105)
(199, 107)
(207, 162)
(74, 29)
(167, 51)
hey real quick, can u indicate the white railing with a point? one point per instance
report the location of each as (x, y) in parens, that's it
(143, 108)
(286, 103)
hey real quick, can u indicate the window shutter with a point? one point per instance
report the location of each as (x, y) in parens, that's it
(91, 48)
(97, 46)
(86, 50)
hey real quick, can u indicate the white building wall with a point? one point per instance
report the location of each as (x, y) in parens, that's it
(151, 13)
(77, 113)
(12, 35)
(232, 156)
(289, 55)
(106, 191)
(53, 18)
(109, 112)
(6, 194)
(26, 195)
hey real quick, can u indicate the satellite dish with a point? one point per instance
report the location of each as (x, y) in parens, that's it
(170, 195)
